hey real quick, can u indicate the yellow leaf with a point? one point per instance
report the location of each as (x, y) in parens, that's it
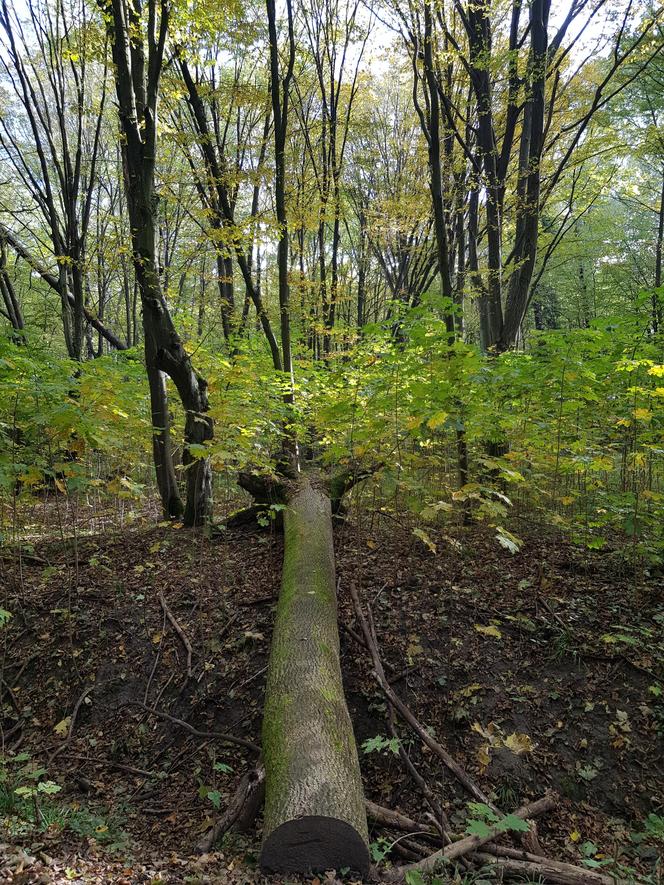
(483, 756)
(422, 535)
(437, 420)
(469, 690)
(156, 638)
(518, 743)
(371, 544)
(567, 500)
(657, 371)
(575, 835)
(63, 726)
(412, 422)
(489, 631)
(642, 414)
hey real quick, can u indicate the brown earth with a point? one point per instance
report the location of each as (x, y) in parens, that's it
(569, 675)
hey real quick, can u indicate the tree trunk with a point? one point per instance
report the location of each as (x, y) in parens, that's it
(162, 452)
(315, 817)
(656, 298)
(528, 226)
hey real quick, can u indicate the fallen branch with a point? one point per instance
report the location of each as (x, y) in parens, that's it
(407, 715)
(439, 816)
(470, 843)
(217, 735)
(240, 811)
(360, 641)
(389, 818)
(178, 629)
(542, 868)
(72, 723)
(140, 772)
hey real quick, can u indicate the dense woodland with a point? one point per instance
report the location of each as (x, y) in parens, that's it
(362, 299)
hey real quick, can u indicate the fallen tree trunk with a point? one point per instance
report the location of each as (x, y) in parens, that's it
(315, 816)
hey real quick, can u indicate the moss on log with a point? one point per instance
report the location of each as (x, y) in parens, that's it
(315, 817)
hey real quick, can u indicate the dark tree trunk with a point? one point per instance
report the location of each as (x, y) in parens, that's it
(137, 86)
(529, 209)
(11, 302)
(479, 34)
(658, 301)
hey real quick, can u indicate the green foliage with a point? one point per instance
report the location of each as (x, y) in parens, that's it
(379, 743)
(485, 822)
(570, 431)
(28, 800)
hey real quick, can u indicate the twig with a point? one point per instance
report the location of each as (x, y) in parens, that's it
(391, 818)
(471, 843)
(178, 629)
(360, 641)
(217, 735)
(156, 661)
(141, 772)
(407, 714)
(251, 678)
(551, 870)
(72, 723)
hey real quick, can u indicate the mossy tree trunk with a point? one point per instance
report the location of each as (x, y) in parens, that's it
(314, 805)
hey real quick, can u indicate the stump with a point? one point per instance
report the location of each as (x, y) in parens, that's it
(315, 816)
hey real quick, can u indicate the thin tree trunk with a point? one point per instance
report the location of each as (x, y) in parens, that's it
(657, 306)
(528, 229)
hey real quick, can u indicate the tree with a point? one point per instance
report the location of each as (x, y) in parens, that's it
(59, 88)
(137, 79)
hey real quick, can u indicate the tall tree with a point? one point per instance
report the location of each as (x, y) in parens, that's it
(60, 90)
(133, 30)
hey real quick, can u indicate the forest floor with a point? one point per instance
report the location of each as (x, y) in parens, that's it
(536, 670)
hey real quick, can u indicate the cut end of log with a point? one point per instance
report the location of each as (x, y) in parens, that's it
(314, 843)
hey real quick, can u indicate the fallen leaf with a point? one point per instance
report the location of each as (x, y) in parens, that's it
(518, 743)
(63, 726)
(489, 631)
(422, 535)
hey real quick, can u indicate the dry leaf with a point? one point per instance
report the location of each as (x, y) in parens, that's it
(518, 743)
(489, 631)
(63, 726)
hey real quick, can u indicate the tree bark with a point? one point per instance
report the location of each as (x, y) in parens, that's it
(315, 816)
(656, 298)
(137, 87)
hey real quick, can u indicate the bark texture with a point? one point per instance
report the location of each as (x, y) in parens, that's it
(315, 817)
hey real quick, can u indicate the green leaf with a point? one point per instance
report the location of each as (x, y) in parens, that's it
(513, 824)
(479, 828)
(215, 797)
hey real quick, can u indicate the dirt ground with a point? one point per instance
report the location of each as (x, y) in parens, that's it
(535, 670)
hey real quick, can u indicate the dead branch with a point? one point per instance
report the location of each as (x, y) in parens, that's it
(542, 868)
(240, 811)
(360, 641)
(387, 817)
(72, 723)
(217, 735)
(178, 629)
(407, 715)
(470, 843)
